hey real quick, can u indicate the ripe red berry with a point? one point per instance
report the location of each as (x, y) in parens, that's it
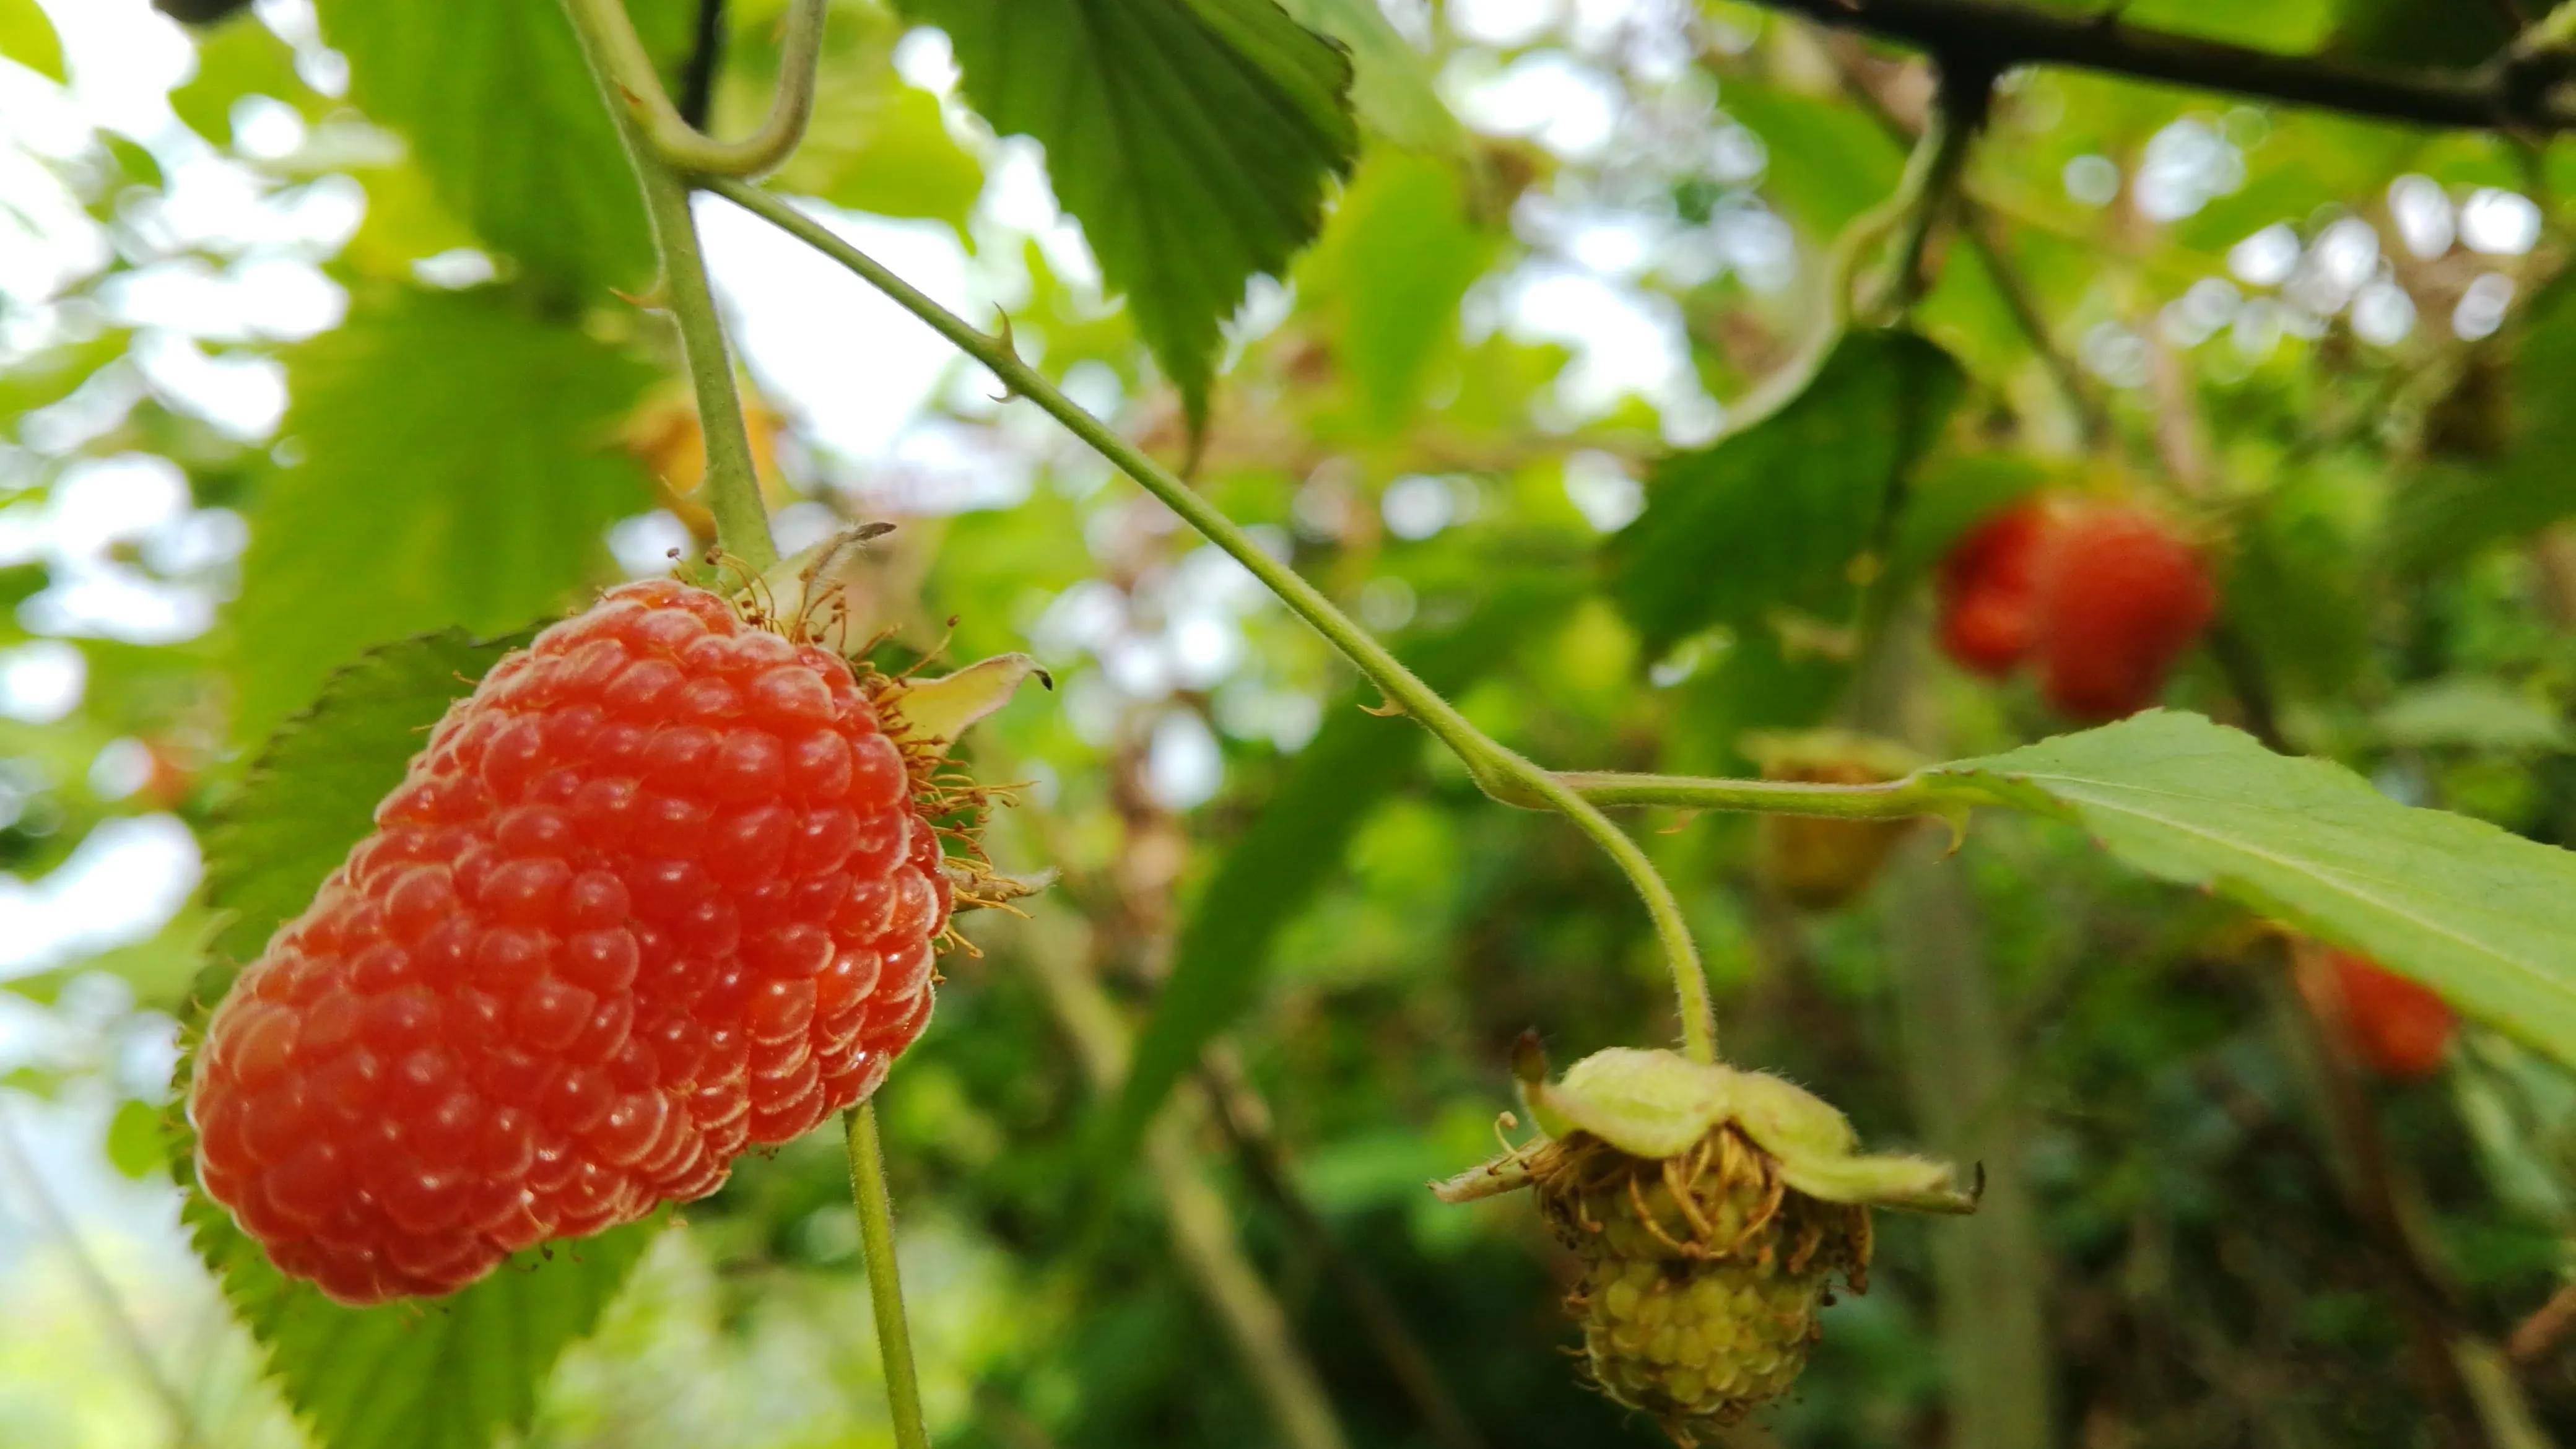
(2398, 1026)
(2118, 596)
(1986, 589)
(659, 890)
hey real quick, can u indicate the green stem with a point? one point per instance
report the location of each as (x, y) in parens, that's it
(1499, 771)
(1931, 180)
(638, 99)
(885, 1285)
(732, 486)
(1919, 794)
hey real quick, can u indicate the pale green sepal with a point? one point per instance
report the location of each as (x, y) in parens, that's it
(1790, 1122)
(1916, 1183)
(939, 710)
(821, 591)
(1645, 1103)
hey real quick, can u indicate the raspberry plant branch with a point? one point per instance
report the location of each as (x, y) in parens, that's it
(1964, 94)
(1916, 794)
(624, 73)
(732, 487)
(885, 1286)
(636, 93)
(1496, 769)
(2507, 92)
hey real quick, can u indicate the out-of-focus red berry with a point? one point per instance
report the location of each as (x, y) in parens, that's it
(659, 890)
(2119, 596)
(2399, 1027)
(1986, 588)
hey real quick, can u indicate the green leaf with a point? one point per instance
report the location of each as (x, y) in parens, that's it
(891, 156)
(2471, 712)
(1191, 138)
(450, 1374)
(27, 37)
(1391, 87)
(2419, 32)
(243, 58)
(1953, 496)
(2510, 442)
(1295, 845)
(312, 792)
(1392, 271)
(1773, 515)
(2295, 589)
(455, 468)
(2486, 918)
(503, 117)
(134, 1145)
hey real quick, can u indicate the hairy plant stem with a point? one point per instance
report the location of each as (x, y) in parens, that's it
(732, 487)
(645, 111)
(1498, 770)
(885, 1284)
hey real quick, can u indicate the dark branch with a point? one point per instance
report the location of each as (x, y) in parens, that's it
(706, 54)
(2003, 35)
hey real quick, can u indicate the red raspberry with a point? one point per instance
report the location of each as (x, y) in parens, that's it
(2398, 1026)
(657, 891)
(2119, 596)
(1986, 587)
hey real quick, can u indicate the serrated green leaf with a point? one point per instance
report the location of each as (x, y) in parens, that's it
(456, 468)
(1391, 86)
(503, 117)
(2486, 918)
(1295, 844)
(27, 37)
(458, 1372)
(1773, 516)
(312, 792)
(1191, 138)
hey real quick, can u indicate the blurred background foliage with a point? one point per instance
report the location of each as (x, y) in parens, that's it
(315, 333)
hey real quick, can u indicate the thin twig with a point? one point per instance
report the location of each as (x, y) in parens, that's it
(1978, 228)
(1204, 1239)
(1240, 1115)
(2378, 1202)
(2536, 1337)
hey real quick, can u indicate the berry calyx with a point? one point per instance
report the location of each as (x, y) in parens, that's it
(1711, 1209)
(1987, 590)
(2119, 597)
(665, 886)
(2398, 1026)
